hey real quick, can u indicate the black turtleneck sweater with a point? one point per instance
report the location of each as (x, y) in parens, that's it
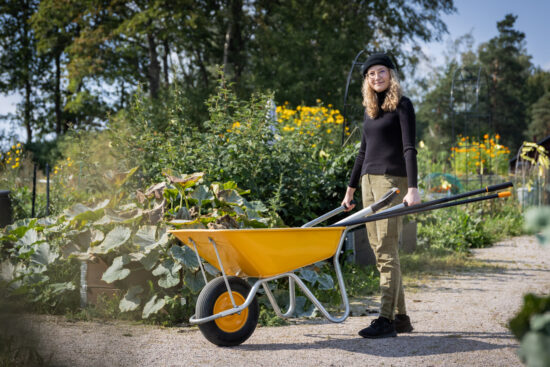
(387, 144)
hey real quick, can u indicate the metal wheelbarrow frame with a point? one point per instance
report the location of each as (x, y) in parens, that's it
(227, 309)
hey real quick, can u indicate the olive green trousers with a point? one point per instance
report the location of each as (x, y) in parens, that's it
(384, 241)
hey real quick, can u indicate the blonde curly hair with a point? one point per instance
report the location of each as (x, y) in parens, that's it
(393, 95)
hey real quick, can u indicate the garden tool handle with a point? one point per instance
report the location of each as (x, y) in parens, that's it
(499, 186)
(418, 209)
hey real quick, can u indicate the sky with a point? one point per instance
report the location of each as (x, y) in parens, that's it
(476, 16)
(481, 16)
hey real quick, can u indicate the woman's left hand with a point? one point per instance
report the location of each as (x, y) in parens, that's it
(412, 197)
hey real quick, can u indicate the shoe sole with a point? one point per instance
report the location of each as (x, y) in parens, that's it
(388, 335)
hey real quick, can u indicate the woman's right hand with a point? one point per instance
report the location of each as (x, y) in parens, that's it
(348, 198)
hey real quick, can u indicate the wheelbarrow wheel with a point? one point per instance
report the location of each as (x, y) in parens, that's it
(233, 329)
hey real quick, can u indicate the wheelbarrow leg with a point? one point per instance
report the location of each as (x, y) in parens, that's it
(292, 296)
(223, 272)
(199, 260)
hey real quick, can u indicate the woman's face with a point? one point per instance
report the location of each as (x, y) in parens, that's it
(379, 77)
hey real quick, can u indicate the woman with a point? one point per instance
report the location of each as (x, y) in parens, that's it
(386, 159)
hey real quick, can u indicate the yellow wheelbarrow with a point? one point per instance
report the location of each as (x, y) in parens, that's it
(227, 309)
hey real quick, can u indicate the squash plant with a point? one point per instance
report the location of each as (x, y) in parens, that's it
(41, 259)
(128, 232)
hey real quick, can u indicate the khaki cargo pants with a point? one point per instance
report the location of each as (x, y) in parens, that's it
(383, 237)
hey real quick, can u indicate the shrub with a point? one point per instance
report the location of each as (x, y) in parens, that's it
(296, 170)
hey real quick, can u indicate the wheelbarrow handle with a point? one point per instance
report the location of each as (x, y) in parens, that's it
(328, 215)
(386, 199)
(418, 209)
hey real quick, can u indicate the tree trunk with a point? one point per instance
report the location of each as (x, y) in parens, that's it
(202, 68)
(154, 67)
(237, 43)
(27, 73)
(233, 46)
(165, 61)
(226, 45)
(57, 94)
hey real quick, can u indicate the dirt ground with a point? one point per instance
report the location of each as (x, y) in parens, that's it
(459, 320)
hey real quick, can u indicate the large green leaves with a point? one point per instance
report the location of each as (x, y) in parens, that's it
(145, 236)
(117, 271)
(168, 270)
(42, 255)
(131, 299)
(194, 281)
(185, 256)
(202, 195)
(152, 307)
(114, 239)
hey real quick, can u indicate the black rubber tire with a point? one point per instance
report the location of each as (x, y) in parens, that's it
(205, 306)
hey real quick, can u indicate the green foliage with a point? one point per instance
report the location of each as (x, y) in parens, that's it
(241, 143)
(40, 259)
(539, 127)
(537, 220)
(459, 230)
(534, 350)
(532, 305)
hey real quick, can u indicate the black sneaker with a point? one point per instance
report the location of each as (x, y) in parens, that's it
(379, 328)
(402, 324)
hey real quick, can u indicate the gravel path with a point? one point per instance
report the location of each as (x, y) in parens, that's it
(459, 319)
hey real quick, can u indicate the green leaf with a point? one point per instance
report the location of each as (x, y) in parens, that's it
(152, 307)
(116, 271)
(58, 288)
(75, 210)
(325, 282)
(145, 236)
(257, 206)
(185, 256)
(185, 181)
(194, 281)
(230, 185)
(131, 299)
(231, 197)
(187, 224)
(211, 269)
(30, 237)
(203, 195)
(169, 272)
(301, 309)
(150, 260)
(309, 275)
(109, 219)
(42, 255)
(541, 323)
(114, 239)
(534, 349)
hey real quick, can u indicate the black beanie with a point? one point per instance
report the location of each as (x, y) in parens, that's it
(377, 59)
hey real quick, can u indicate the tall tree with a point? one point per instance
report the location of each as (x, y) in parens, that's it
(303, 49)
(505, 59)
(539, 127)
(21, 68)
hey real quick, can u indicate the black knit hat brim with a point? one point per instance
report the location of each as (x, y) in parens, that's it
(377, 59)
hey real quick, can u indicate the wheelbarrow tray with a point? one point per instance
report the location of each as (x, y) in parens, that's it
(264, 252)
